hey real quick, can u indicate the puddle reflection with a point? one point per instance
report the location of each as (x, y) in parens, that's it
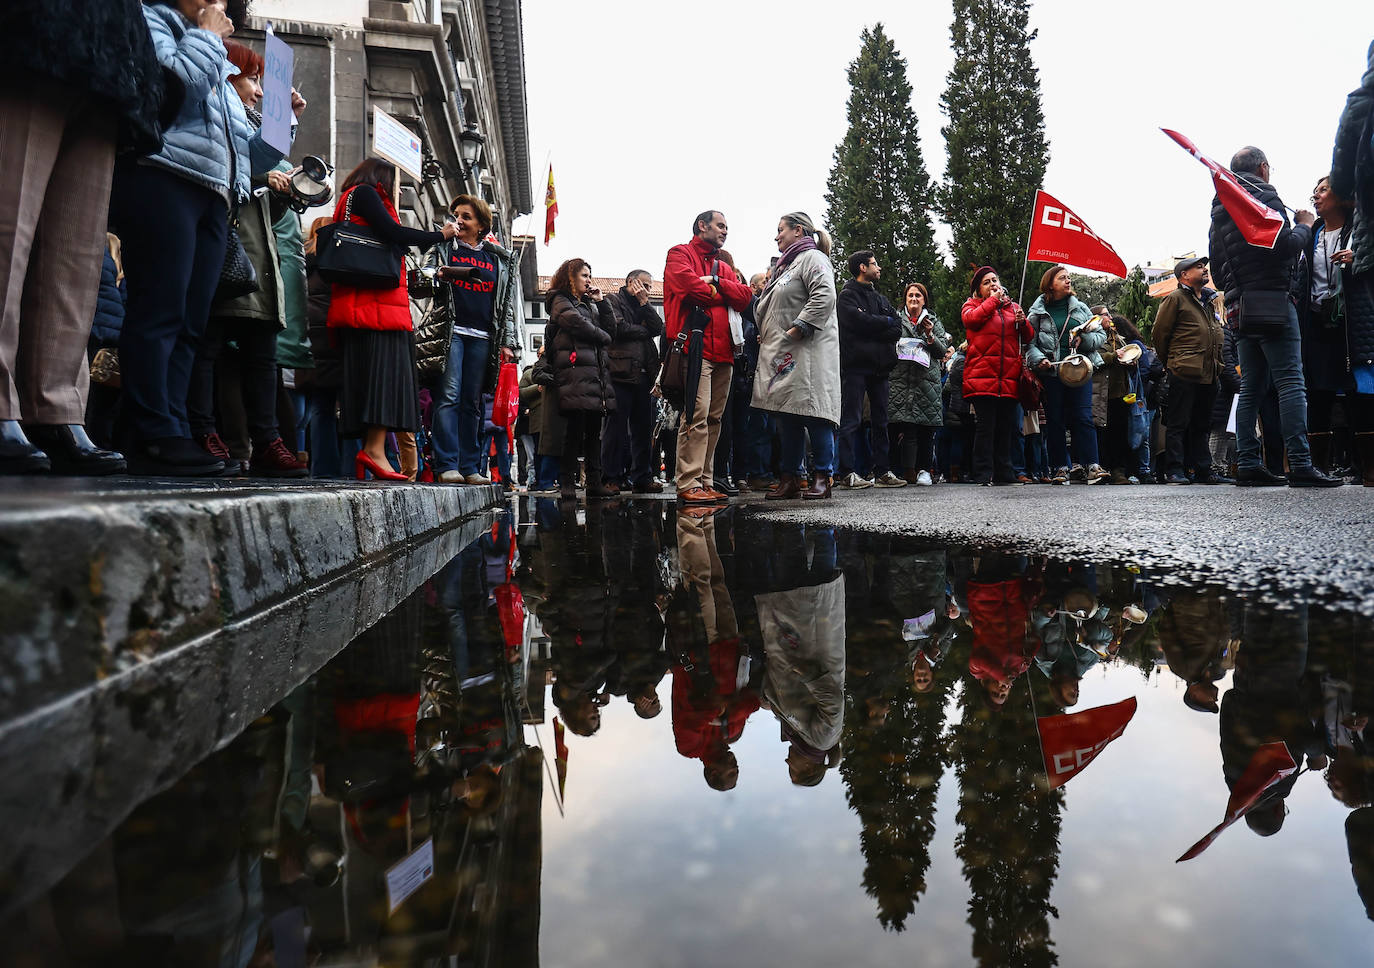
(620, 735)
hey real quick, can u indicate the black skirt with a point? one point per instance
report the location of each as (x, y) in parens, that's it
(379, 387)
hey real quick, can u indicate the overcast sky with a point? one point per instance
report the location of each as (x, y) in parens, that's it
(652, 112)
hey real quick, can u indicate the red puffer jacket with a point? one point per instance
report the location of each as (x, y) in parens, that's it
(683, 288)
(352, 308)
(992, 364)
(998, 612)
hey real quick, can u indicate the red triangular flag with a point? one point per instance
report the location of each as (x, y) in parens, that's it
(1069, 743)
(1258, 223)
(1058, 235)
(1270, 764)
(560, 756)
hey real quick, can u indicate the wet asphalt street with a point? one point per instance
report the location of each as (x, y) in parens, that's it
(1274, 541)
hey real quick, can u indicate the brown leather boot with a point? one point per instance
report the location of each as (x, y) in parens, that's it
(1364, 450)
(911, 476)
(819, 489)
(786, 490)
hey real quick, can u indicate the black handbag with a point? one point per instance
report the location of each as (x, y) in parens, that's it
(237, 277)
(355, 255)
(1264, 311)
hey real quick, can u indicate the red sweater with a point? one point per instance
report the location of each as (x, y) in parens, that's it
(992, 364)
(683, 288)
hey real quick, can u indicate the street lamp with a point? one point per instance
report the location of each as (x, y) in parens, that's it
(471, 146)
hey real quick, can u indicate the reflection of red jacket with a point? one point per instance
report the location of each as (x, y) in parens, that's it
(683, 288)
(992, 364)
(699, 727)
(998, 612)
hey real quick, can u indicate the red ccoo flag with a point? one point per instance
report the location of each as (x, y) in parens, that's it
(1270, 764)
(550, 208)
(1058, 235)
(1259, 224)
(560, 756)
(1069, 743)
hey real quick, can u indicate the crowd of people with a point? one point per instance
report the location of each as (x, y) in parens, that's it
(166, 313)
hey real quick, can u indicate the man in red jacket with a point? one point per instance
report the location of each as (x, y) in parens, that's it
(695, 278)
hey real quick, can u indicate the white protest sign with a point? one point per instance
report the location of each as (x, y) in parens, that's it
(276, 93)
(396, 143)
(409, 874)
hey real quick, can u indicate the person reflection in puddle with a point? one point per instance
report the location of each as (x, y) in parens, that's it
(1000, 596)
(1194, 632)
(714, 678)
(802, 622)
(1074, 634)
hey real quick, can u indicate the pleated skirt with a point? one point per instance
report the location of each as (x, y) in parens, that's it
(379, 387)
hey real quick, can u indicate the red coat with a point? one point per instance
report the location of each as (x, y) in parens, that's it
(998, 612)
(353, 308)
(992, 364)
(700, 728)
(683, 288)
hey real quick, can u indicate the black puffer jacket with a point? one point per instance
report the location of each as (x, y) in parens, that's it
(869, 329)
(1352, 165)
(580, 333)
(1237, 265)
(328, 357)
(634, 351)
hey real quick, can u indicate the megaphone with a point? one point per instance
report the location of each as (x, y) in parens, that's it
(311, 184)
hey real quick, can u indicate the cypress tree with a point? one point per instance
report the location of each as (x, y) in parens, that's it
(1135, 302)
(879, 194)
(995, 137)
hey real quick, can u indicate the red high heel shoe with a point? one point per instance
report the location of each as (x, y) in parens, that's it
(362, 464)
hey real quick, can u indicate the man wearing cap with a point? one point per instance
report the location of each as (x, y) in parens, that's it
(1270, 345)
(1188, 338)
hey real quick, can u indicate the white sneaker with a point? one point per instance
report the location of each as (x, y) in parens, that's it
(923, 479)
(889, 480)
(1096, 475)
(476, 479)
(452, 477)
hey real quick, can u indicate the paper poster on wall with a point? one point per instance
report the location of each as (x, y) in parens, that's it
(279, 65)
(396, 143)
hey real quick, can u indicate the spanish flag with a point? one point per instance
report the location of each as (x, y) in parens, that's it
(550, 208)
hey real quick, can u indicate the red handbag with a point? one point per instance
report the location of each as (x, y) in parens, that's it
(505, 409)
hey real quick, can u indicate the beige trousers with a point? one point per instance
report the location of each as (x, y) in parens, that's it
(696, 443)
(57, 155)
(702, 571)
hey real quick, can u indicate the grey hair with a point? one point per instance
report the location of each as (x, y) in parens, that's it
(800, 220)
(1248, 160)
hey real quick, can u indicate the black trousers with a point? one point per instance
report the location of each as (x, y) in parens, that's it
(581, 439)
(256, 363)
(853, 388)
(1187, 422)
(992, 439)
(913, 444)
(172, 233)
(625, 437)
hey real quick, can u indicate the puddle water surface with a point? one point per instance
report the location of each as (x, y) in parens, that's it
(621, 736)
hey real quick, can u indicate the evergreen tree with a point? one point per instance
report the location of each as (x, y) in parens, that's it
(879, 195)
(1135, 303)
(995, 137)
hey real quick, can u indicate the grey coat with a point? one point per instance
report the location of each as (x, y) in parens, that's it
(799, 376)
(914, 390)
(803, 645)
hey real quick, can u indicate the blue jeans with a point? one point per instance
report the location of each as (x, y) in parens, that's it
(793, 430)
(502, 456)
(457, 417)
(1275, 359)
(1069, 409)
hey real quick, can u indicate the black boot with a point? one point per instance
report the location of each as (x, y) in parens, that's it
(567, 478)
(1320, 446)
(72, 452)
(19, 455)
(1364, 453)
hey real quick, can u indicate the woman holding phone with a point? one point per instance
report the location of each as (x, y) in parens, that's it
(996, 327)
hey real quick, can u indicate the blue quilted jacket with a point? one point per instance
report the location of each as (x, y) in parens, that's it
(197, 146)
